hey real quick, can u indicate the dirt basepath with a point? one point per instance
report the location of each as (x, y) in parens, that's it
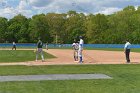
(94, 57)
(65, 56)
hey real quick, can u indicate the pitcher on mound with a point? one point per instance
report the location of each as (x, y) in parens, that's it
(39, 50)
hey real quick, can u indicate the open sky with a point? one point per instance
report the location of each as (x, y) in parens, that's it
(10, 8)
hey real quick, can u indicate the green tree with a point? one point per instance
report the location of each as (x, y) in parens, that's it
(17, 30)
(74, 26)
(38, 28)
(3, 29)
(56, 26)
(96, 25)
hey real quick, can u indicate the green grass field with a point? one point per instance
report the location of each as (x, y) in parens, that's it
(20, 55)
(126, 79)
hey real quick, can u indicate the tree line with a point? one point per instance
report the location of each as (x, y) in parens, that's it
(65, 27)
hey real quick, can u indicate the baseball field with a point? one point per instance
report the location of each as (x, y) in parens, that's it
(111, 62)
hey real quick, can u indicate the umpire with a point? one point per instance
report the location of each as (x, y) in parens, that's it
(127, 51)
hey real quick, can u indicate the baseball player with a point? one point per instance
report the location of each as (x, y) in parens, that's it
(127, 51)
(47, 46)
(39, 50)
(81, 43)
(75, 46)
(14, 46)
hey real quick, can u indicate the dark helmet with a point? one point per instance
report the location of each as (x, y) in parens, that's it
(39, 38)
(126, 40)
(80, 37)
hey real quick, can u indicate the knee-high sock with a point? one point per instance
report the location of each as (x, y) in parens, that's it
(42, 57)
(36, 56)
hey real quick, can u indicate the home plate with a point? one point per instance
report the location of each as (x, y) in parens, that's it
(53, 77)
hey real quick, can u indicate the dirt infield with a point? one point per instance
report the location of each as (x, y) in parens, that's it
(65, 56)
(93, 57)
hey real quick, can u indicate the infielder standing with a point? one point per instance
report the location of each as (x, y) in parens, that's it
(47, 46)
(127, 51)
(39, 50)
(81, 43)
(75, 46)
(14, 46)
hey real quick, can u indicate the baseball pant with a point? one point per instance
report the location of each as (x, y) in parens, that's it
(76, 55)
(127, 53)
(80, 56)
(39, 51)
